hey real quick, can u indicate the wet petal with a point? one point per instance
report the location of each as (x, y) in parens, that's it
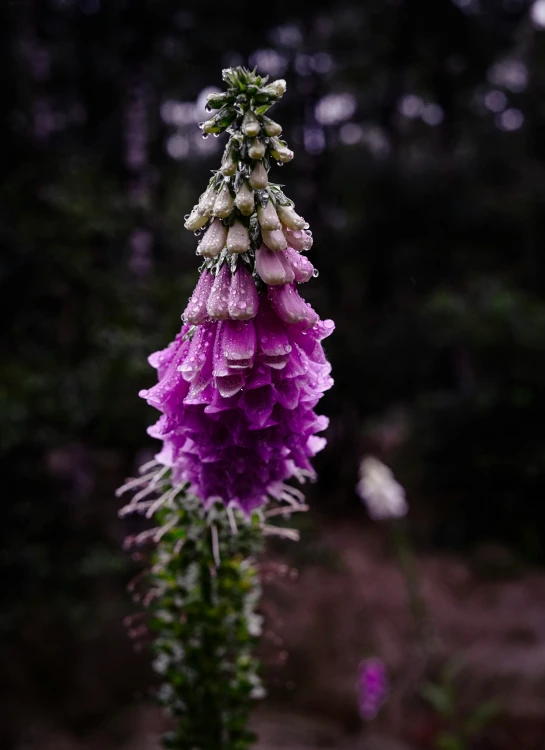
(218, 300)
(196, 310)
(243, 298)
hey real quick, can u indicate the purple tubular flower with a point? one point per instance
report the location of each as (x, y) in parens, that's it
(299, 239)
(195, 312)
(237, 402)
(243, 300)
(372, 687)
(290, 307)
(218, 301)
(272, 267)
(302, 267)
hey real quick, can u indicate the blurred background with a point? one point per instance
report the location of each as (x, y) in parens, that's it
(420, 165)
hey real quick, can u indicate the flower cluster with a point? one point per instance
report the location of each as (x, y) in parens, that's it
(238, 386)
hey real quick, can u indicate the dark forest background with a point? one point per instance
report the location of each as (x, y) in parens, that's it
(418, 129)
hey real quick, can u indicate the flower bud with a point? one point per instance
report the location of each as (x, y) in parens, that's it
(275, 239)
(218, 300)
(213, 241)
(207, 200)
(280, 151)
(290, 218)
(267, 217)
(298, 239)
(271, 127)
(258, 176)
(290, 307)
(196, 310)
(224, 202)
(243, 299)
(301, 266)
(195, 220)
(257, 149)
(244, 200)
(216, 100)
(238, 240)
(278, 87)
(272, 267)
(250, 124)
(229, 161)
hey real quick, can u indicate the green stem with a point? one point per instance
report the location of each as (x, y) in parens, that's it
(206, 626)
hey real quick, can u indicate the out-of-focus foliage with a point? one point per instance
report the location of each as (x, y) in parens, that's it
(420, 166)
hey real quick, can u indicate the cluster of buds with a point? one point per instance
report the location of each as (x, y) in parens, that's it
(251, 233)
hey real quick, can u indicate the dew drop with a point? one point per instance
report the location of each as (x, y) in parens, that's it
(316, 273)
(186, 217)
(306, 225)
(216, 135)
(205, 135)
(264, 339)
(288, 348)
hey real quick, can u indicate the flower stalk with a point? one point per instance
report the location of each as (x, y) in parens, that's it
(236, 392)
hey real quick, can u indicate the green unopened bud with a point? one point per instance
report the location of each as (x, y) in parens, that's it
(245, 200)
(216, 100)
(275, 239)
(238, 240)
(280, 151)
(271, 127)
(290, 218)
(224, 202)
(250, 124)
(257, 149)
(195, 220)
(267, 217)
(214, 239)
(258, 177)
(219, 122)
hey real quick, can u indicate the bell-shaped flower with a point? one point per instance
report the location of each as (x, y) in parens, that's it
(243, 300)
(218, 300)
(290, 307)
(239, 343)
(272, 267)
(299, 239)
(196, 311)
(303, 269)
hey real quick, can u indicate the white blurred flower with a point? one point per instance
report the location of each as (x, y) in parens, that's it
(383, 496)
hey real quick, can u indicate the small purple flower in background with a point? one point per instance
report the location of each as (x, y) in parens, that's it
(372, 687)
(383, 496)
